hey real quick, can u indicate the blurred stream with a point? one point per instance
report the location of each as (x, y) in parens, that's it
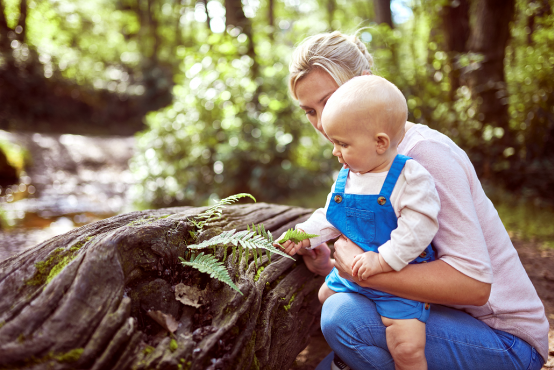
(71, 180)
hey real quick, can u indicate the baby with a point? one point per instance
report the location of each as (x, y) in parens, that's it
(384, 202)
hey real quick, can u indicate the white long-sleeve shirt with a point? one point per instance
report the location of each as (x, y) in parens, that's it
(414, 200)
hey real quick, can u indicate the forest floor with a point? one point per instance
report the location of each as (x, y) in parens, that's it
(537, 260)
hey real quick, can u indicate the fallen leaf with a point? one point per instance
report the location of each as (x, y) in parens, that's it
(188, 295)
(167, 321)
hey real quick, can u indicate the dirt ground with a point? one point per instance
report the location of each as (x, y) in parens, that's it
(539, 264)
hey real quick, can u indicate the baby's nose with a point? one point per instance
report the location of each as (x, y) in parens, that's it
(336, 152)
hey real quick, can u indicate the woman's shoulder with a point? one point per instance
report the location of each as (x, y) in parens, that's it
(425, 144)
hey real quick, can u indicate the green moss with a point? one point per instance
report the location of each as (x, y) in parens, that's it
(147, 350)
(2, 323)
(55, 263)
(258, 273)
(59, 267)
(21, 338)
(287, 307)
(70, 356)
(173, 345)
(255, 364)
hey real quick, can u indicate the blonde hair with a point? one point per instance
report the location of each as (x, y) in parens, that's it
(380, 100)
(342, 56)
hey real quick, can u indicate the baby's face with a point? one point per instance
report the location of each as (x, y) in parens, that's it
(355, 144)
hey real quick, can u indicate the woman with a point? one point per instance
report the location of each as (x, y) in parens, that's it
(477, 322)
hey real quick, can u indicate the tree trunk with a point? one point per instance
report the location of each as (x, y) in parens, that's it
(208, 20)
(455, 24)
(383, 13)
(22, 22)
(271, 17)
(81, 300)
(489, 37)
(234, 16)
(331, 7)
(4, 30)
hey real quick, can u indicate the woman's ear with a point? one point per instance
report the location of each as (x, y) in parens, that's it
(383, 142)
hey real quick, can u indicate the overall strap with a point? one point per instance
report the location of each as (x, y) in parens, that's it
(341, 180)
(392, 176)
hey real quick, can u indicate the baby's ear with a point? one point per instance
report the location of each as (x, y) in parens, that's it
(383, 142)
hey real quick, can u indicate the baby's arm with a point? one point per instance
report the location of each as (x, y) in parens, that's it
(417, 205)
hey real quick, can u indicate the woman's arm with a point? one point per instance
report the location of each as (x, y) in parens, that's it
(434, 282)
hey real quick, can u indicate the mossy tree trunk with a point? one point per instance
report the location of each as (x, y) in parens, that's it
(81, 300)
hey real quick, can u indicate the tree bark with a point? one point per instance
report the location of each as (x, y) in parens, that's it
(4, 30)
(22, 21)
(455, 24)
(383, 13)
(489, 38)
(271, 17)
(208, 20)
(92, 314)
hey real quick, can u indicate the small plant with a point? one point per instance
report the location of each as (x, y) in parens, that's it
(255, 237)
(209, 264)
(215, 212)
(296, 236)
(247, 239)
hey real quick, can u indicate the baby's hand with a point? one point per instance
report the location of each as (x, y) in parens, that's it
(290, 247)
(368, 264)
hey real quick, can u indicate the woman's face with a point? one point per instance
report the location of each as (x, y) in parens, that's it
(312, 92)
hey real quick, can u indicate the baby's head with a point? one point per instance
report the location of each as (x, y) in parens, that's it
(367, 110)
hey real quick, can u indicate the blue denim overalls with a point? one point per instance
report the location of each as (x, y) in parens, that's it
(368, 221)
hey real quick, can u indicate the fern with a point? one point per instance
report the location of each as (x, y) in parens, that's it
(209, 264)
(247, 239)
(296, 236)
(215, 212)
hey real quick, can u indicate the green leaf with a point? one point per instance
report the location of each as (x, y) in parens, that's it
(215, 212)
(296, 236)
(210, 265)
(245, 238)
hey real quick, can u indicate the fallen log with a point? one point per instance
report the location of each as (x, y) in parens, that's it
(104, 296)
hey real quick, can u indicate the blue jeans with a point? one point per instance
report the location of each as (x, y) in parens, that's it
(455, 340)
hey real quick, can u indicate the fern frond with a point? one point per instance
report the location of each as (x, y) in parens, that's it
(210, 265)
(215, 212)
(296, 236)
(245, 238)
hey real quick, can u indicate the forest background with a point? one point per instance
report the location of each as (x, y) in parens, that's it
(203, 85)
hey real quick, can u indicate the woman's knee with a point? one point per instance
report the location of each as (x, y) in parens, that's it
(346, 312)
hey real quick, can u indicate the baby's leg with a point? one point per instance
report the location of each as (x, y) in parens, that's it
(324, 293)
(406, 342)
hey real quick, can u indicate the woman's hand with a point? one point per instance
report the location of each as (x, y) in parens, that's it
(318, 259)
(345, 251)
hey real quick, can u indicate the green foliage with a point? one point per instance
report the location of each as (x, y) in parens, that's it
(231, 126)
(215, 212)
(228, 131)
(16, 155)
(246, 239)
(525, 219)
(210, 265)
(296, 236)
